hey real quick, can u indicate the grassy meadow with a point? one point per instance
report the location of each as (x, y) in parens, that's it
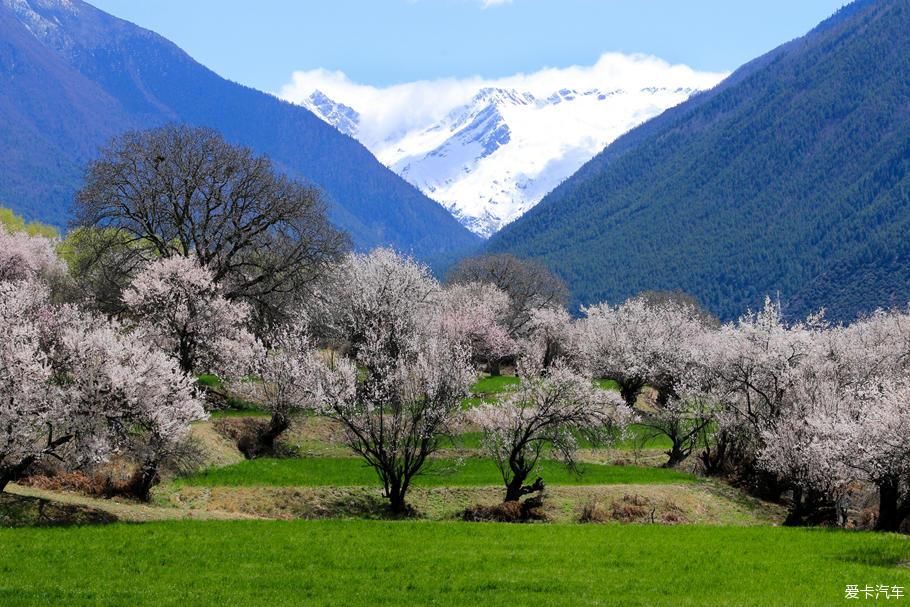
(375, 563)
(311, 529)
(441, 472)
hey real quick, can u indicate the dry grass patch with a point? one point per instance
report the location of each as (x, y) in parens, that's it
(701, 503)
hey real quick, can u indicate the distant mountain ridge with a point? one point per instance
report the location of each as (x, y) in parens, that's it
(72, 76)
(493, 158)
(791, 177)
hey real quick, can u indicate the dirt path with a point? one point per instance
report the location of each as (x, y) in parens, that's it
(125, 510)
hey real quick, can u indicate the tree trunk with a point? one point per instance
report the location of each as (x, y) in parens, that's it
(889, 515)
(495, 367)
(795, 514)
(277, 425)
(629, 391)
(144, 479)
(10, 473)
(515, 490)
(714, 461)
(396, 495)
(549, 355)
(677, 454)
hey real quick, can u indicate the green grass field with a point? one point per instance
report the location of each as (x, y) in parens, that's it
(359, 557)
(472, 471)
(494, 384)
(607, 384)
(636, 437)
(377, 563)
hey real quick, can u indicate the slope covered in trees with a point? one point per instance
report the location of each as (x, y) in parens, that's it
(790, 177)
(71, 77)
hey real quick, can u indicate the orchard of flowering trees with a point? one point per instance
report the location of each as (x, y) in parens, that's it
(802, 408)
(801, 411)
(103, 337)
(78, 387)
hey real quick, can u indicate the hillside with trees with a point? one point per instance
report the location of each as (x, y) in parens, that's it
(97, 77)
(792, 177)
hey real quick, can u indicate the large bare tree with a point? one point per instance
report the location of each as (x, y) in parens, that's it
(179, 190)
(529, 284)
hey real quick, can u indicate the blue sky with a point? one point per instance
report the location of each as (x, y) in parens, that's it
(381, 42)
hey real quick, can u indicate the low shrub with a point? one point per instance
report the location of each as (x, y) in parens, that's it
(98, 484)
(525, 511)
(632, 508)
(245, 432)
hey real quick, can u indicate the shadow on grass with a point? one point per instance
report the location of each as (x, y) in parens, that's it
(24, 511)
(367, 506)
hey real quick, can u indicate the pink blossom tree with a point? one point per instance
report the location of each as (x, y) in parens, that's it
(34, 420)
(24, 257)
(474, 315)
(546, 412)
(178, 305)
(147, 402)
(78, 387)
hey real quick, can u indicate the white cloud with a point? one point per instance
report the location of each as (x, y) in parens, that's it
(491, 3)
(388, 111)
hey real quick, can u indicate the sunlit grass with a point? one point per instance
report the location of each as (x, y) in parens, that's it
(471, 471)
(379, 563)
(494, 384)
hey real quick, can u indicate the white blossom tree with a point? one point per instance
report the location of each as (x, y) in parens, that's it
(803, 445)
(685, 419)
(288, 381)
(756, 365)
(552, 336)
(641, 343)
(27, 257)
(381, 295)
(546, 412)
(180, 307)
(77, 388)
(397, 408)
(398, 391)
(651, 342)
(876, 444)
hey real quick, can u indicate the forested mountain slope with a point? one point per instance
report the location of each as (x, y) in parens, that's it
(72, 76)
(790, 177)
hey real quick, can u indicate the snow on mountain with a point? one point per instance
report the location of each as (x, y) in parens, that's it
(502, 148)
(339, 115)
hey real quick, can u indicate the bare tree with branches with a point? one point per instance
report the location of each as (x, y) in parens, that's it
(179, 190)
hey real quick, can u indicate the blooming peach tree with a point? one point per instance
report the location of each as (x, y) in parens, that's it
(546, 412)
(78, 388)
(178, 305)
(397, 392)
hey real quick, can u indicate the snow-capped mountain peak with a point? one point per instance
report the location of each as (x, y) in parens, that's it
(494, 157)
(341, 116)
